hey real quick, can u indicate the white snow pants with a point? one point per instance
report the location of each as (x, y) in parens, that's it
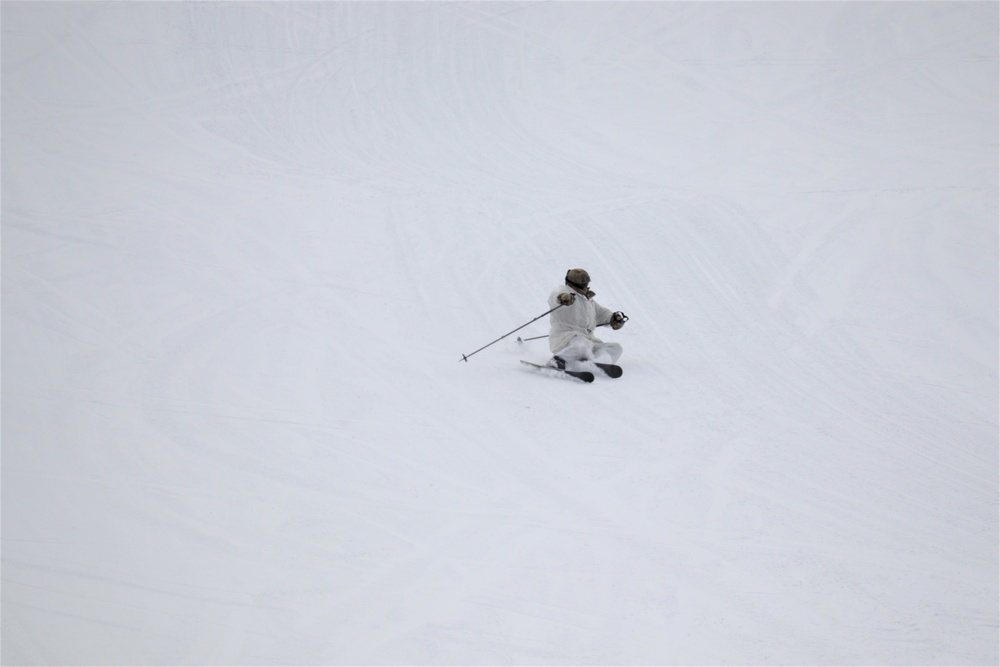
(581, 348)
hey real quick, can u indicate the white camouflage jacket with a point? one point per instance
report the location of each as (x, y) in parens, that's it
(581, 318)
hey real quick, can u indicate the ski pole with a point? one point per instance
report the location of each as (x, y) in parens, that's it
(465, 357)
(525, 340)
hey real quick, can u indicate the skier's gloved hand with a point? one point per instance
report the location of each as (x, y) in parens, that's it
(618, 320)
(566, 299)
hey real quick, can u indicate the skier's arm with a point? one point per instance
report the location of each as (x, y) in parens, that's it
(602, 314)
(561, 298)
(616, 319)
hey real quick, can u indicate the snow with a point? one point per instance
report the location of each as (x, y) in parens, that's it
(246, 244)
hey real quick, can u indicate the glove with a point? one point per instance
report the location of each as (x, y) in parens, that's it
(566, 299)
(618, 320)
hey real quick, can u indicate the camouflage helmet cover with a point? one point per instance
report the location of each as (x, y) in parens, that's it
(578, 278)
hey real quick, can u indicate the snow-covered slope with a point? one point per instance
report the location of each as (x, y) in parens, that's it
(246, 244)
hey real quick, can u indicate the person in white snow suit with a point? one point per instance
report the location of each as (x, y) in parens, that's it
(571, 331)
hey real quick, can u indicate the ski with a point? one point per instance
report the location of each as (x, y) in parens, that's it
(611, 370)
(584, 376)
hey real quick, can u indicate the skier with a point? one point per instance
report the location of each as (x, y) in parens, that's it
(571, 332)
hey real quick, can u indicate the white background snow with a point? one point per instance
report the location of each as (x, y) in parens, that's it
(246, 244)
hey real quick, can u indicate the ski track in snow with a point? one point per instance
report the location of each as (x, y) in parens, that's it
(246, 244)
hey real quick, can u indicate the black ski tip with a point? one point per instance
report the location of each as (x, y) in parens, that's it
(611, 370)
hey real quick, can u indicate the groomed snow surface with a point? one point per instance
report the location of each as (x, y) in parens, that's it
(246, 244)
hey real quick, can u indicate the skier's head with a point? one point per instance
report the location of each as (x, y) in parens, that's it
(578, 279)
